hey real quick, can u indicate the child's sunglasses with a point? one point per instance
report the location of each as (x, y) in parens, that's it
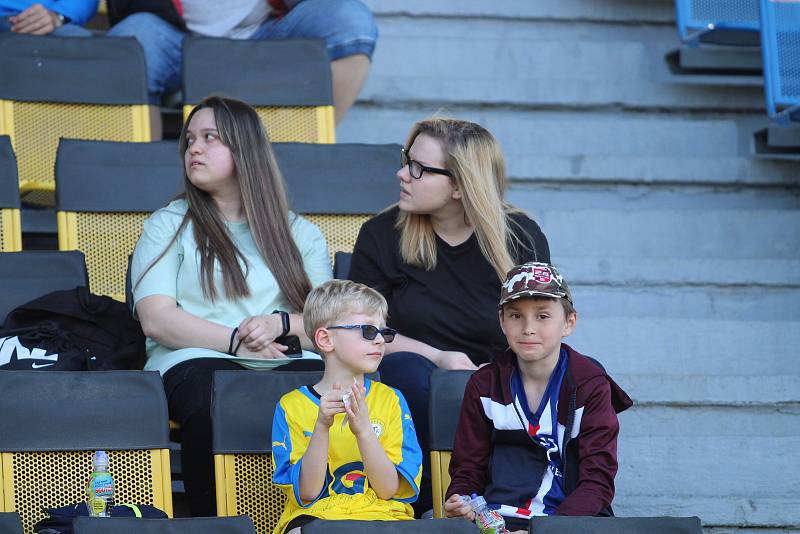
(369, 332)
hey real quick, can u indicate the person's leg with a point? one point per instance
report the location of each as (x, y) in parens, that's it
(350, 32)
(72, 30)
(163, 55)
(410, 373)
(188, 389)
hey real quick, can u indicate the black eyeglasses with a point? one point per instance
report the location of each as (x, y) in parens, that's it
(369, 332)
(415, 168)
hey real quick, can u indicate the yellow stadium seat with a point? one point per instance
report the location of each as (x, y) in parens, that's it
(446, 393)
(10, 226)
(338, 187)
(287, 81)
(104, 193)
(242, 409)
(52, 422)
(55, 87)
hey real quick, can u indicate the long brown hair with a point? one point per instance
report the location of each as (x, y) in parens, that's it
(265, 205)
(476, 162)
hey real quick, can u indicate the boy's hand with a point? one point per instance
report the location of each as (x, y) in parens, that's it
(453, 507)
(357, 413)
(329, 405)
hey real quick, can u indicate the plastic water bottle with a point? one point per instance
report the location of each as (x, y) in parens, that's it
(100, 490)
(488, 521)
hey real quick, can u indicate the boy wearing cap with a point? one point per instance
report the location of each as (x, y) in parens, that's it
(538, 428)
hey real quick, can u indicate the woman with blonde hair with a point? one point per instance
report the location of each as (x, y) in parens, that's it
(221, 273)
(440, 255)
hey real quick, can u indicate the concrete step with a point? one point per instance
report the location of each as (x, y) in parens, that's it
(574, 195)
(665, 271)
(650, 11)
(552, 61)
(604, 146)
(723, 390)
(752, 303)
(729, 466)
(672, 234)
(679, 347)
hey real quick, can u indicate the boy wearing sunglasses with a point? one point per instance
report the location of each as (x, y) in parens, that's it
(345, 447)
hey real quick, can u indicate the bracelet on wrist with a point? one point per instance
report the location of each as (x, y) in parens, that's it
(285, 324)
(230, 343)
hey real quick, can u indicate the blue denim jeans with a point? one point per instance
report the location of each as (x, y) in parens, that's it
(346, 25)
(67, 30)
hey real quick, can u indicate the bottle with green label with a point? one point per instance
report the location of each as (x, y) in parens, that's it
(100, 490)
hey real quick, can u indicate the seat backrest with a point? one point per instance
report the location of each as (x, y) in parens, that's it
(615, 525)
(693, 16)
(446, 393)
(104, 193)
(360, 177)
(52, 421)
(287, 81)
(780, 49)
(10, 226)
(10, 523)
(242, 408)
(434, 526)
(33, 273)
(130, 525)
(65, 87)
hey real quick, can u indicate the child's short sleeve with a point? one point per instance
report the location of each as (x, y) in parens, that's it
(402, 449)
(288, 459)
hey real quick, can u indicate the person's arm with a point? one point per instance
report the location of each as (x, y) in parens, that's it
(77, 11)
(472, 446)
(444, 359)
(381, 472)
(597, 450)
(314, 468)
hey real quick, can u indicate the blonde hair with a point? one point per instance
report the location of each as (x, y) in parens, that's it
(328, 302)
(476, 162)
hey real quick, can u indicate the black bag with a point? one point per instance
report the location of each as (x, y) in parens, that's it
(60, 519)
(102, 328)
(43, 346)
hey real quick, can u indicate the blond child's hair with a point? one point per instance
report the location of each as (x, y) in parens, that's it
(327, 303)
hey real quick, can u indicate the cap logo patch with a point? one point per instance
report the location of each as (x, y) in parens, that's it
(542, 275)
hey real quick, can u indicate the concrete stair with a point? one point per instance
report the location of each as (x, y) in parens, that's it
(682, 249)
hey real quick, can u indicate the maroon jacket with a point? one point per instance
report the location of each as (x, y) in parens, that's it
(590, 462)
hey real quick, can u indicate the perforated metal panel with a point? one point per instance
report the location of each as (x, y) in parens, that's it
(52, 479)
(10, 230)
(37, 126)
(249, 490)
(107, 239)
(340, 231)
(728, 11)
(789, 59)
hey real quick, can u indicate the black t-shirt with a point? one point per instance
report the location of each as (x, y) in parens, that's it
(453, 307)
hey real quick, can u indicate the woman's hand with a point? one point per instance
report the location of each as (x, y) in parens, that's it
(454, 507)
(454, 361)
(272, 351)
(259, 331)
(330, 404)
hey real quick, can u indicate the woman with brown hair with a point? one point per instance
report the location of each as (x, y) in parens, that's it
(439, 256)
(210, 268)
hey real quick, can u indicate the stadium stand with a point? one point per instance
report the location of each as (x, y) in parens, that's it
(615, 525)
(93, 88)
(200, 525)
(780, 46)
(446, 393)
(51, 423)
(10, 226)
(242, 408)
(31, 274)
(10, 523)
(434, 526)
(104, 192)
(363, 175)
(288, 82)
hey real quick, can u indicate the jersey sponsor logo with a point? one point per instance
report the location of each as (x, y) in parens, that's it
(280, 444)
(377, 427)
(35, 365)
(349, 479)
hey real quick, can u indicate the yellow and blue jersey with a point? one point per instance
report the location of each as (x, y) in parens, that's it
(346, 493)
